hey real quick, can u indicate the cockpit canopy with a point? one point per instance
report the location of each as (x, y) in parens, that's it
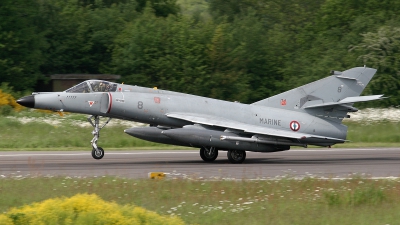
(93, 86)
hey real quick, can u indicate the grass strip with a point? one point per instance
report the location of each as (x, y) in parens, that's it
(66, 136)
(287, 201)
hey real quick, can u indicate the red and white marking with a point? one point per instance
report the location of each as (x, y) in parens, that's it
(294, 125)
(91, 103)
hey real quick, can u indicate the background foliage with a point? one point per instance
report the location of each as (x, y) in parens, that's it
(242, 51)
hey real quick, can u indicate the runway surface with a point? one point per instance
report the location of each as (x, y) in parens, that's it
(328, 163)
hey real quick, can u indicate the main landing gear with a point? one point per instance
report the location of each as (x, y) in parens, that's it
(208, 154)
(97, 152)
(236, 156)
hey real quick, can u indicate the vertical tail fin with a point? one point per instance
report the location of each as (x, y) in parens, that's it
(331, 97)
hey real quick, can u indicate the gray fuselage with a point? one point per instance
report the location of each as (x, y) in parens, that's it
(151, 106)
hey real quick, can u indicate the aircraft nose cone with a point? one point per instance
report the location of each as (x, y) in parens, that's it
(27, 101)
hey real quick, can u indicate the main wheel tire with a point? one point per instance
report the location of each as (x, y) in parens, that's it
(208, 155)
(98, 154)
(236, 156)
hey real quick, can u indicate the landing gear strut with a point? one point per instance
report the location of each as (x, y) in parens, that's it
(97, 152)
(208, 154)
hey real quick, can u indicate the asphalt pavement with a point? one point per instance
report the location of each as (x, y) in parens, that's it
(323, 163)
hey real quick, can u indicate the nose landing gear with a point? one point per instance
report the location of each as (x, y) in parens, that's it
(97, 152)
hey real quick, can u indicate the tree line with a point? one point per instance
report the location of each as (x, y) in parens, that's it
(234, 50)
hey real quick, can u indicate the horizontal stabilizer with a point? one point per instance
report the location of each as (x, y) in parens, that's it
(348, 100)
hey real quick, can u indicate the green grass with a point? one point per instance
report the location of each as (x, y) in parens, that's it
(65, 136)
(37, 136)
(384, 132)
(287, 201)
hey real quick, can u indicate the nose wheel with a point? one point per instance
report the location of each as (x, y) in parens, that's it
(97, 152)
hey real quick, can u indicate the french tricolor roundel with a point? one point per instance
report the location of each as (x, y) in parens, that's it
(294, 125)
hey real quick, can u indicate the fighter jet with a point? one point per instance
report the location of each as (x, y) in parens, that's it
(308, 115)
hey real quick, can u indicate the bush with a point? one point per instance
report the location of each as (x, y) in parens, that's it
(7, 100)
(83, 209)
